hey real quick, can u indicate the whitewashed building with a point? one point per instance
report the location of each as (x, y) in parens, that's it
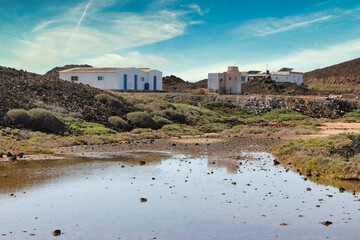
(287, 75)
(142, 79)
(227, 82)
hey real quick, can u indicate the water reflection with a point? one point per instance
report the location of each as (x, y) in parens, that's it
(186, 198)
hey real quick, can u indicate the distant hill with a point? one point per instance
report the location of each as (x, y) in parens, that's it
(22, 89)
(176, 84)
(347, 73)
(54, 73)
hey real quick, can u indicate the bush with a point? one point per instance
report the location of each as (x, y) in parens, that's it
(108, 100)
(142, 120)
(76, 115)
(19, 116)
(175, 116)
(199, 91)
(119, 123)
(46, 121)
(283, 115)
(161, 121)
(227, 108)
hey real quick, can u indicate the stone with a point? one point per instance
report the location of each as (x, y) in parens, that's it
(56, 232)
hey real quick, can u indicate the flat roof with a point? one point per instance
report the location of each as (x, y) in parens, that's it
(100, 70)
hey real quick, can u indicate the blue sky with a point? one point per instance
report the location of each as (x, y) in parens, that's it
(185, 38)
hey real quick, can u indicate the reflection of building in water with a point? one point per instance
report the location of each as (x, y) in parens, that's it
(230, 165)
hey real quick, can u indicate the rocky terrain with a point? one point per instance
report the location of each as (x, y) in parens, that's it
(21, 89)
(347, 73)
(176, 84)
(317, 107)
(275, 88)
(54, 73)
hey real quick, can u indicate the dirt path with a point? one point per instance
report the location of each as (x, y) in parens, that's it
(332, 128)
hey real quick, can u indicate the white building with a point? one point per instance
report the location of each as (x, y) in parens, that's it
(287, 75)
(227, 82)
(116, 78)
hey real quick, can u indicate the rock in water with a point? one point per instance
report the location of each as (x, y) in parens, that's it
(57, 232)
(143, 200)
(13, 157)
(326, 223)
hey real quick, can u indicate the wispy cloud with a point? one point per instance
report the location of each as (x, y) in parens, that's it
(267, 26)
(88, 30)
(302, 60)
(198, 9)
(132, 59)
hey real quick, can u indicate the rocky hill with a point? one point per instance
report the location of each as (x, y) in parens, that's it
(347, 73)
(22, 89)
(54, 73)
(176, 84)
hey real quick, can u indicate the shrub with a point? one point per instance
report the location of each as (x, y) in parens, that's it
(175, 116)
(119, 123)
(353, 116)
(46, 121)
(162, 121)
(227, 108)
(108, 100)
(199, 91)
(283, 115)
(19, 116)
(76, 115)
(142, 120)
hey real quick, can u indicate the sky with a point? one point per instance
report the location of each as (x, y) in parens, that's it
(188, 38)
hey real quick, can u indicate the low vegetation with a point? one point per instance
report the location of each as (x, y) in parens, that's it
(353, 116)
(153, 118)
(327, 86)
(337, 156)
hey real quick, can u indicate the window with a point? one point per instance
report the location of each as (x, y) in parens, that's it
(235, 78)
(243, 79)
(142, 79)
(74, 78)
(100, 78)
(229, 78)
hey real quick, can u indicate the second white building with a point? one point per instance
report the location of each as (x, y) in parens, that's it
(142, 79)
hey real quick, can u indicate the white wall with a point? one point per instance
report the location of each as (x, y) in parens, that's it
(297, 78)
(116, 80)
(213, 82)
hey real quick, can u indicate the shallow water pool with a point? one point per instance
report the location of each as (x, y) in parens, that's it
(164, 196)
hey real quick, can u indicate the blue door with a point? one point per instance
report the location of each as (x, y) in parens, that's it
(154, 83)
(147, 86)
(135, 82)
(125, 81)
(243, 78)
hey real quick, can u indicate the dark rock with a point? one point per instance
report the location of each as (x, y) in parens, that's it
(326, 223)
(57, 232)
(341, 189)
(13, 157)
(143, 200)
(142, 163)
(276, 162)
(21, 155)
(9, 154)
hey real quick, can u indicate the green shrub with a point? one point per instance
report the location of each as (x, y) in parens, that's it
(161, 121)
(108, 100)
(19, 116)
(283, 115)
(353, 116)
(328, 86)
(226, 108)
(76, 115)
(46, 121)
(175, 116)
(119, 123)
(142, 120)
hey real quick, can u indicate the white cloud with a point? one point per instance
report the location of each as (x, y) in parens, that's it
(87, 30)
(198, 9)
(302, 60)
(132, 59)
(267, 26)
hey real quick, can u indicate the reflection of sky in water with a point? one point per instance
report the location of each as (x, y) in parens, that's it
(189, 199)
